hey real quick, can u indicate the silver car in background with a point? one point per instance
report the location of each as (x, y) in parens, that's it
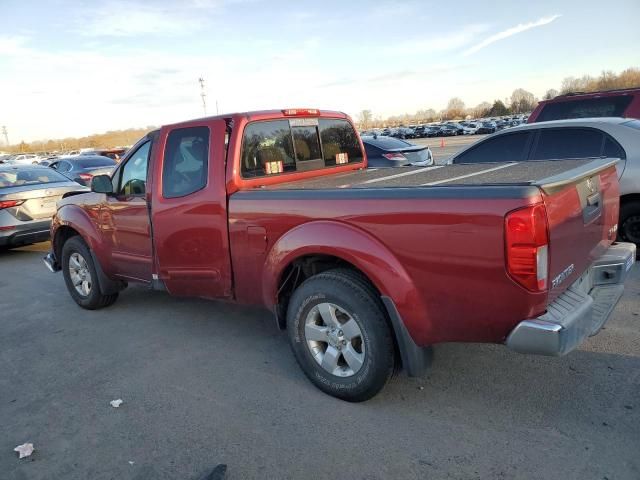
(28, 197)
(612, 137)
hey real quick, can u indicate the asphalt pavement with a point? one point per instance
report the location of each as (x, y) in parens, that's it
(444, 147)
(206, 384)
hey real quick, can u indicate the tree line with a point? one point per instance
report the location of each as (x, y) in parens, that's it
(520, 102)
(110, 139)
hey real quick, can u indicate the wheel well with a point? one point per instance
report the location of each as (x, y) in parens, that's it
(304, 267)
(301, 269)
(631, 197)
(62, 235)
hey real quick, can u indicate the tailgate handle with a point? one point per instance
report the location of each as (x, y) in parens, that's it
(593, 208)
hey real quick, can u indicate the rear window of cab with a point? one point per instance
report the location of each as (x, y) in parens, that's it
(274, 147)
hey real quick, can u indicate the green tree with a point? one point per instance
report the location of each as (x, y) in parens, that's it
(498, 109)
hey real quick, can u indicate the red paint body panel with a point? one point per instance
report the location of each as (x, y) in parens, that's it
(190, 232)
(419, 253)
(441, 260)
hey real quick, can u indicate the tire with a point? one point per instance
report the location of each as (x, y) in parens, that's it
(77, 264)
(629, 228)
(340, 336)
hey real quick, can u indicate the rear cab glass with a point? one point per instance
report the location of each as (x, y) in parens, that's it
(275, 147)
(36, 176)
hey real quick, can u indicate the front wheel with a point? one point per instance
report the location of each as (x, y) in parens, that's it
(81, 277)
(340, 336)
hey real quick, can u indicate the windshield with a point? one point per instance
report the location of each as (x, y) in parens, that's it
(35, 176)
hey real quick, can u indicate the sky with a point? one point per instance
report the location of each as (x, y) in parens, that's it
(72, 68)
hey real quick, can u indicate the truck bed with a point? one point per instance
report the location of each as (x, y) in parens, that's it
(545, 174)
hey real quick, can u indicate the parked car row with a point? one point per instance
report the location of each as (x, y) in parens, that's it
(447, 129)
(46, 158)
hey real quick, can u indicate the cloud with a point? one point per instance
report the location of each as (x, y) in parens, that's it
(121, 18)
(509, 32)
(12, 45)
(438, 43)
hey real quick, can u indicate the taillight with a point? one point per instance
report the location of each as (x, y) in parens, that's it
(297, 112)
(527, 247)
(394, 156)
(85, 176)
(10, 203)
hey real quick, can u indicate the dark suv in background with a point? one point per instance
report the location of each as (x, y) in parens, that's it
(613, 103)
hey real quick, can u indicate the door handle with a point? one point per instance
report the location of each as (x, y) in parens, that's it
(593, 208)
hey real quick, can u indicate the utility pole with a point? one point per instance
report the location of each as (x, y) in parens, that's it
(203, 95)
(6, 135)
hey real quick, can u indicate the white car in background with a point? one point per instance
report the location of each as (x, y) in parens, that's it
(470, 128)
(25, 159)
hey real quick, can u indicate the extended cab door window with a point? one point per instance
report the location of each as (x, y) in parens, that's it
(185, 162)
(133, 174)
(559, 143)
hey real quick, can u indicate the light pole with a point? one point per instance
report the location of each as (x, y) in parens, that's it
(203, 95)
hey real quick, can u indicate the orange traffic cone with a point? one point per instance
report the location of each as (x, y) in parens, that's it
(442, 145)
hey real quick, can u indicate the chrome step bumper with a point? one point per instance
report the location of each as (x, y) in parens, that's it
(581, 310)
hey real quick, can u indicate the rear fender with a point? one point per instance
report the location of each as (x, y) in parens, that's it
(351, 245)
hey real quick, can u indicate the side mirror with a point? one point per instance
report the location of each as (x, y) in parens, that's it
(101, 184)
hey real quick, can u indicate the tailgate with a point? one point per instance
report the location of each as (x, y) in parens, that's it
(582, 210)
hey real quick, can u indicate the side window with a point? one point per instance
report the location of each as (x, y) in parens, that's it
(503, 148)
(133, 178)
(612, 149)
(63, 166)
(559, 143)
(186, 160)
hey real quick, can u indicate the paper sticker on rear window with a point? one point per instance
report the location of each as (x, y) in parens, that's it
(342, 158)
(273, 167)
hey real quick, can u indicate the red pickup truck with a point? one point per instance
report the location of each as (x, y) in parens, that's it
(365, 268)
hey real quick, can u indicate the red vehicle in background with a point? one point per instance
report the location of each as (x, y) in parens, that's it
(611, 103)
(364, 268)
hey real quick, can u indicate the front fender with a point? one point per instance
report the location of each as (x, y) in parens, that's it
(84, 220)
(356, 247)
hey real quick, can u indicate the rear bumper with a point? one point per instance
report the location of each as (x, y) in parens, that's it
(31, 232)
(581, 310)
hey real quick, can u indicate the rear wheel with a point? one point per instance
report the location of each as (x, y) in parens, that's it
(340, 336)
(81, 277)
(629, 228)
